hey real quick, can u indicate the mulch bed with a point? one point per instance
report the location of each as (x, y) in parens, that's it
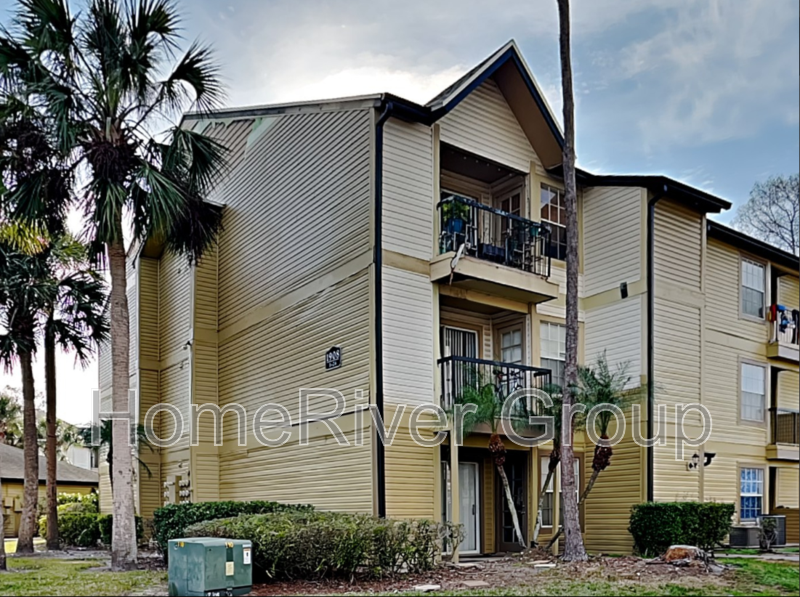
(502, 571)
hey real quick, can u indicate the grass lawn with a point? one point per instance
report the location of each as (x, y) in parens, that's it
(51, 576)
(752, 577)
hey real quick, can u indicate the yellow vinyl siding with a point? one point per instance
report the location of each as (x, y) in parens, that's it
(408, 201)
(616, 330)
(408, 336)
(788, 487)
(329, 476)
(274, 358)
(489, 513)
(409, 473)
(619, 487)
(612, 237)
(174, 304)
(484, 124)
(149, 330)
(788, 390)
(789, 292)
(15, 490)
(150, 491)
(677, 338)
(104, 486)
(297, 208)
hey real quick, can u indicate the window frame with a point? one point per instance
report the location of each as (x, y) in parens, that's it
(743, 257)
(767, 392)
(542, 356)
(764, 497)
(549, 222)
(544, 464)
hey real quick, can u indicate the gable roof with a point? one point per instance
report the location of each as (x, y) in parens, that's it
(753, 245)
(12, 468)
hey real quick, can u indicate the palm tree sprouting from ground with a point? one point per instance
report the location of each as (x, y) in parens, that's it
(75, 319)
(22, 297)
(488, 396)
(97, 80)
(600, 385)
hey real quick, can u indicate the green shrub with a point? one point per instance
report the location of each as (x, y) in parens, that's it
(105, 524)
(314, 545)
(171, 521)
(90, 500)
(85, 529)
(656, 526)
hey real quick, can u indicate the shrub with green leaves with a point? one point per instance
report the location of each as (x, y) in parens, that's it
(315, 545)
(171, 521)
(89, 500)
(78, 528)
(656, 526)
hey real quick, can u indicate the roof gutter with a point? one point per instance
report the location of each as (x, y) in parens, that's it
(377, 259)
(651, 313)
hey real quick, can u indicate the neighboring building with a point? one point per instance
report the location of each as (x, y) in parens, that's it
(339, 231)
(71, 479)
(82, 456)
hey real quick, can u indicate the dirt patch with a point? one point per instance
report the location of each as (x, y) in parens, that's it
(510, 571)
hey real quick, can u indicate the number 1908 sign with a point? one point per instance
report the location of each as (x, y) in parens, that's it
(333, 358)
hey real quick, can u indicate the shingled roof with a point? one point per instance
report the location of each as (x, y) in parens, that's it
(12, 468)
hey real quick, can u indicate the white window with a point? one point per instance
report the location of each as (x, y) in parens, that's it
(753, 288)
(753, 392)
(751, 493)
(554, 212)
(554, 349)
(547, 503)
(511, 346)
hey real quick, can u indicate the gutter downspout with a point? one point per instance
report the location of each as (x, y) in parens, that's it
(651, 312)
(377, 259)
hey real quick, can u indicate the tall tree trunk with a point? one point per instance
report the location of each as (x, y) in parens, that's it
(27, 526)
(573, 548)
(123, 541)
(511, 507)
(50, 394)
(3, 566)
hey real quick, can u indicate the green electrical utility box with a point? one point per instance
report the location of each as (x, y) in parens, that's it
(208, 566)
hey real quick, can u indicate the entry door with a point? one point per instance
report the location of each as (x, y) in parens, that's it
(516, 471)
(458, 343)
(468, 505)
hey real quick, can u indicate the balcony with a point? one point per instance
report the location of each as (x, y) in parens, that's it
(488, 250)
(462, 377)
(784, 426)
(784, 339)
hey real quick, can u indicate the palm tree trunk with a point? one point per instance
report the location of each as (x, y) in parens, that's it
(123, 541)
(542, 495)
(511, 507)
(50, 394)
(27, 526)
(573, 549)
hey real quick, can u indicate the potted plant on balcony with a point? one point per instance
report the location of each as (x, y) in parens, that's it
(455, 214)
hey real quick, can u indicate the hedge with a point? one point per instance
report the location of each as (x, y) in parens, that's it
(85, 529)
(171, 521)
(315, 545)
(657, 526)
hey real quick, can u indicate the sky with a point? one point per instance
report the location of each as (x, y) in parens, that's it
(704, 91)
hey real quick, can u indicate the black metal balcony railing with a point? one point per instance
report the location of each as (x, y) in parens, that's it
(462, 375)
(493, 235)
(785, 426)
(785, 325)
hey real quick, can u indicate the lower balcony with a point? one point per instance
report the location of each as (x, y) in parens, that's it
(488, 250)
(467, 380)
(784, 426)
(784, 342)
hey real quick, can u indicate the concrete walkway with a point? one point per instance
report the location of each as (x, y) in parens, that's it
(769, 557)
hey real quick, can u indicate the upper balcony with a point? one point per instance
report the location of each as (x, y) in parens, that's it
(486, 249)
(784, 426)
(784, 339)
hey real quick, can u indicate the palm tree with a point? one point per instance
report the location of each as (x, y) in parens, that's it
(76, 320)
(107, 445)
(573, 548)
(22, 297)
(488, 397)
(555, 412)
(10, 418)
(100, 91)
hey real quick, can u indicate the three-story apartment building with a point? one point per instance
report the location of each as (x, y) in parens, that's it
(384, 248)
